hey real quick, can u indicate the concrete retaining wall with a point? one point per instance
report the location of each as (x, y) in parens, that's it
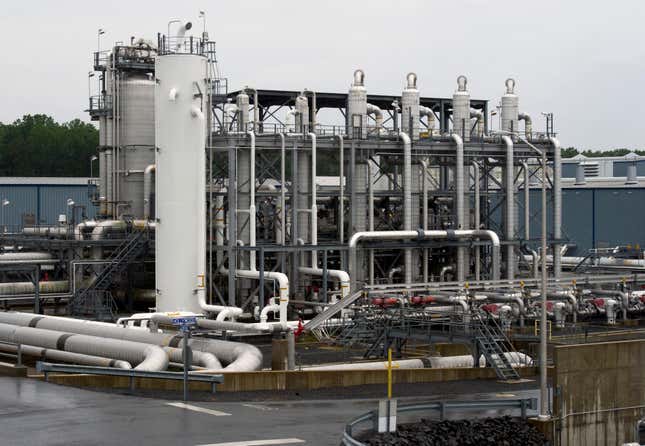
(603, 392)
(295, 380)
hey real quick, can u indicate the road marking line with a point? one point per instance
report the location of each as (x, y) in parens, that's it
(259, 442)
(215, 413)
(259, 407)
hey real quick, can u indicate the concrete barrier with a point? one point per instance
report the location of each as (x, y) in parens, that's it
(291, 380)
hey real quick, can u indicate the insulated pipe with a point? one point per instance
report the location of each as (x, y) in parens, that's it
(228, 311)
(407, 201)
(283, 190)
(536, 264)
(378, 116)
(479, 124)
(510, 208)
(512, 298)
(24, 256)
(252, 221)
(13, 288)
(424, 208)
(568, 295)
(455, 300)
(623, 298)
(527, 198)
(341, 166)
(148, 357)
(337, 274)
(81, 227)
(392, 272)
(52, 231)
(476, 180)
(237, 356)
(557, 205)
(528, 124)
(427, 112)
(99, 231)
(73, 358)
(109, 180)
(283, 284)
(314, 208)
(421, 234)
(264, 314)
(444, 270)
(459, 190)
(147, 189)
(234, 326)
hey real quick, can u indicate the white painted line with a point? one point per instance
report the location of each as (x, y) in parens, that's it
(259, 407)
(215, 413)
(277, 441)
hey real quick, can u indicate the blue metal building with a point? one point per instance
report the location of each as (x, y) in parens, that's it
(29, 201)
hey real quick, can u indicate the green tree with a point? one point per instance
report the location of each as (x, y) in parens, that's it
(36, 145)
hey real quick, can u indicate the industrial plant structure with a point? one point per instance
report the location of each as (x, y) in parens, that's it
(214, 203)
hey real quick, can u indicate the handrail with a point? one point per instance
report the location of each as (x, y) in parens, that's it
(523, 404)
(47, 367)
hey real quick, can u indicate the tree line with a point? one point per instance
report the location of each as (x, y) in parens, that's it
(38, 146)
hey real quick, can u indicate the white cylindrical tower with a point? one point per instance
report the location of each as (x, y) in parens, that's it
(242, 101)
(302, 115)
(461, 109)
(137, 138)
(357, 107)
(510, 108)
(410, 107)
(180, 130)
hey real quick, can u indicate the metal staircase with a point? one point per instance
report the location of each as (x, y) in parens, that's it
(96, 299)
(493, 344)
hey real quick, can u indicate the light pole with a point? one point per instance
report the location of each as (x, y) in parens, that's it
(543, 415)
(202, 15)
(70, 205)
(94, 158)
(5, 203)
(90, 74)
(99, 33)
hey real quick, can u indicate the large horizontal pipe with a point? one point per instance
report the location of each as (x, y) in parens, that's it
(237, 356)
(24, 256)
(15, 288)
(337, 274)
(147, 357)
(59, 355)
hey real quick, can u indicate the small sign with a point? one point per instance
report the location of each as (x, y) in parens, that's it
(184, 321)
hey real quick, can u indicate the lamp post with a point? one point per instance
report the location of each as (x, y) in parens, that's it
(94, 158)
(5, 203)
(543, 415)
(202, 15)
(90, 74)
(99, 33)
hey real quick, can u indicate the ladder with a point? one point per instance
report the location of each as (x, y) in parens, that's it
(493, 344)
(95, 298)
(331, 311)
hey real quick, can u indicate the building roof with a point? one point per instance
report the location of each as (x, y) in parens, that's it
(51, 181)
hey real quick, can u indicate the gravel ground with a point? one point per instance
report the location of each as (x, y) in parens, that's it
(502, 431)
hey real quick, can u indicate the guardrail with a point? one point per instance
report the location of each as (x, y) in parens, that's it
(47, 367)
(442, 407)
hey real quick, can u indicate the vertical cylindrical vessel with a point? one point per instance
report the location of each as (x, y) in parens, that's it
(410, 107)
(461, 109)
(180, 129)
(357, 107)
(242, 100)
(510, 108)
(302, 117)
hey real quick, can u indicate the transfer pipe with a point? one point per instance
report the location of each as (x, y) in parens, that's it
(623, 298)
(510, 208)
(147, 189)
(427, 112)
(72, 358)
(407, 201)
(148, 357)
(476, 185)
(337, 274)
(237, 356)
(528, 124)
(557, 205)
(378, 116)
(459, 190)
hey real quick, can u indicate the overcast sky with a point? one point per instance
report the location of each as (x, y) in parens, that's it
(583, 60)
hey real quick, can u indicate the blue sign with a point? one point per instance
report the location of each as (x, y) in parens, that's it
(184, 321)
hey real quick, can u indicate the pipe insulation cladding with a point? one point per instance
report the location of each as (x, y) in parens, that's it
(180, 131)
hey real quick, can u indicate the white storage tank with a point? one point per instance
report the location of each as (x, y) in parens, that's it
(137, 138)
(357, 107)
(461, 109)
(510, 108)
(180, 129)
(410, 107)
